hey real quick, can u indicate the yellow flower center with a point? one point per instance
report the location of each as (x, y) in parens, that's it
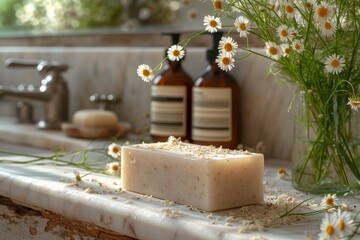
(297, 46)
(145, 73)
(213, 23)
(217, 4)
(273, 50)
(287, 50)
(228, 47)
(272, 6)
(329, 201)
(355, 103)
(284, 33)
(289, 9)
(322, 12)
(115, 167)
(242, 26)
(307, 5)
(334, 63)
(225, 61)
(341, 224)
(329, 230)
(327, 26)
(176, 53)
(78, 178)
(115, 149)
(281, 171)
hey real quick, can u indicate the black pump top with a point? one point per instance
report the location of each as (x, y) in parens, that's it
(212, 53)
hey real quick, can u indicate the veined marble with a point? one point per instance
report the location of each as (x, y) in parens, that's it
(263, 105)
(99, 200)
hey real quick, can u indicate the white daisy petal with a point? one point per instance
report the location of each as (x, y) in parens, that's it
(344, 223)
(328, 227)
(224, 62)
(212, 23)
(114, 150)
(175, 53)
(327, 28)
(242, 26)
(298, 45)
(334, 64)
(272, 50)
(284, 33)
(228, 46)
(323, 12)
(145, 72)
(113, 167)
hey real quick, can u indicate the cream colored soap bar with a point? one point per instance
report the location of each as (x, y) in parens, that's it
(204, 177)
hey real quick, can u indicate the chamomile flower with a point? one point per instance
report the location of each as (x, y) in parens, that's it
(309, 4)
(298, 45)
(77, 175)
(284, 33)
(323, 12)
(354, 103)
(344, 223)
(293, 33)
(281, 173)
(289, 9)
(228, 46)
(224, 62)
(212, 23)
(114, 150)
(328, 201)
(145, 72)
(272, 50)
(217, 4)
(328, 227)
(242, 26)
(334, 64)
(327, 28)
(175, 53)
(113, 167)
(272, 5)
(285, 49)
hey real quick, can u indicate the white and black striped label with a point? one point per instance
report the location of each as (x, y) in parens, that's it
(168, 111)
(212, 114)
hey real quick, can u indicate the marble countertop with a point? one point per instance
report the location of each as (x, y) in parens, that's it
(100, 200)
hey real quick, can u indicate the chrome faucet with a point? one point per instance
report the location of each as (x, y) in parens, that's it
(53, 91)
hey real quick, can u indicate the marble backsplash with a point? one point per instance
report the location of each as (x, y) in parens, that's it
(264, 102)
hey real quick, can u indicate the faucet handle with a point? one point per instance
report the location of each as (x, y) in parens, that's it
(41, 65)
(45, 67)
(104, 100)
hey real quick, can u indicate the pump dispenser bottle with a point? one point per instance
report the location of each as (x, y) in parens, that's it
(215, 104)
(170, 108)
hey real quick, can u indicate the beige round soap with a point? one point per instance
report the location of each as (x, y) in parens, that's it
(94, 118)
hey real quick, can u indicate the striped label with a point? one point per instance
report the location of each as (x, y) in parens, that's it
(212, 114)
(168, 111)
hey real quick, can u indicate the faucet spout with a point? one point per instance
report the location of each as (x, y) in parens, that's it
(53, 92)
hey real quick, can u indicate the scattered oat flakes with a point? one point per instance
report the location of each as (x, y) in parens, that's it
(90, 190)
(171, 213)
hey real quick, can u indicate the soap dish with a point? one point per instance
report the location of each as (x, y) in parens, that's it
(75, 131)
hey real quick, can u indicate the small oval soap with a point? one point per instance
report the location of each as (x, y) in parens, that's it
(94, 118)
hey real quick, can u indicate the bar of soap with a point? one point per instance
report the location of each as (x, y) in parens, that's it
(204, 177)
(95, 118)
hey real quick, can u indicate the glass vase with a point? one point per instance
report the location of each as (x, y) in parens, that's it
(325, 154)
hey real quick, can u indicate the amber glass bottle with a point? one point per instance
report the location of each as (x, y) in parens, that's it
(215, 106)
(170, 108)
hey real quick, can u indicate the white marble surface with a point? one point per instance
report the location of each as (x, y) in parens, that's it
(263, 105)
(98, 199)
(135, 215)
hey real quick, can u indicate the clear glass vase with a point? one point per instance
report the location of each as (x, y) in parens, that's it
(325, 153)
